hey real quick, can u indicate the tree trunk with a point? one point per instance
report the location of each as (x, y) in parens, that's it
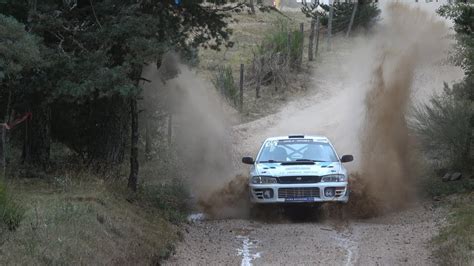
(133, 178)
(147, 138)
(352, 19)
(26, 142)
(39, 136)
(110, 118)
(252, 7)
(3, 162)
(331, 13)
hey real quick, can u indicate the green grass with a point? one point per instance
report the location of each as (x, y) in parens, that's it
(434, 187)
(455, 243)
(81, 219)
(11, 213)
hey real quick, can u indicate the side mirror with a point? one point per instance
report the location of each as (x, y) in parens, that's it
(347, 158)
(248, 160)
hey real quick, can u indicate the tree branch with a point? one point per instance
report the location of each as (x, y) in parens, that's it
(95, 16)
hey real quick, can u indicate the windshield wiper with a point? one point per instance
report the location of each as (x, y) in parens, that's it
(309, 160)
(298, 162)
(269, 161)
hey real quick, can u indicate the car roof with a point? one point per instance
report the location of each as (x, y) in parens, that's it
(300, 136)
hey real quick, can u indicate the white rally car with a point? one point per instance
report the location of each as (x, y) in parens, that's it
(298, 168)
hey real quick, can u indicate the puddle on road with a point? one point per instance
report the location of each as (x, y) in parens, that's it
(349, 246)
(195, 217)
(247, 251)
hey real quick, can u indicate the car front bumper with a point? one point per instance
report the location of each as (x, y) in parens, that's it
(298, 193)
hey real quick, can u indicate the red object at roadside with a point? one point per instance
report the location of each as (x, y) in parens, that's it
(11, 125)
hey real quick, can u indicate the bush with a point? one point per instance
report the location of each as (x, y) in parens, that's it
(276, 42)
(444, 129)
(455, 241)
(11, 213)
(366, 15)
(171, 199)
(224, 83)
(433, 186)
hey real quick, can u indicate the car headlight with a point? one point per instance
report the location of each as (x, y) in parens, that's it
(334, 178)
(263, 180)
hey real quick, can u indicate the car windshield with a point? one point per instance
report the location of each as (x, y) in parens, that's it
(293, 150)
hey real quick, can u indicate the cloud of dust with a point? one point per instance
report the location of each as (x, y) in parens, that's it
(202, 123)
(408, 39)
(366, 118)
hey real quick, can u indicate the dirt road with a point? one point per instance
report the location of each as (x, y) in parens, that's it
(335, 106)
(394, 239)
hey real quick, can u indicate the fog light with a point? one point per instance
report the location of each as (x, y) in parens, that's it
(329, 192)
(268, 193)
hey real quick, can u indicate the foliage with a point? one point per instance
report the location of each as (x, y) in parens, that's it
(463, 16)
(456, 240)
(446, 125)
(170, 199)
(276, 41)
(366, 16)
(225, 84)
(11, 213)
(444, 129)
(19, 50)
(432, 186)
(94, 52)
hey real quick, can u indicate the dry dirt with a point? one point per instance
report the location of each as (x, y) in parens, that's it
(397, 239)
(336, 109)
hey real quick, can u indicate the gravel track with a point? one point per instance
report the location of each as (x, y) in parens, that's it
(394, 239)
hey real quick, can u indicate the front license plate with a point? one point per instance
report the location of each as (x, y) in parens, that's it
(310, 199)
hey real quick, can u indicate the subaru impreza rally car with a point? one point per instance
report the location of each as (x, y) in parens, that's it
(296, 169)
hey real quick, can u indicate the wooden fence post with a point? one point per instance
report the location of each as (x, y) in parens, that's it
(288, 59)
(302, 43)
(259, 77)
(241, 88)
(311, 40)
(317, 36)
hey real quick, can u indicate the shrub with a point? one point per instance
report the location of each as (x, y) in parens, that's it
(456, 240)
(443, 127)
(171, 199)
(11, 213)
(276, 42)
(224, 83)
(366, 15)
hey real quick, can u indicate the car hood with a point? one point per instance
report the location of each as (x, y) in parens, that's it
(317, 169)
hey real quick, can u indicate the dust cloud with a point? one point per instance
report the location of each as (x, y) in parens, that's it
(202, 125)
(409, 39)
(366, 117)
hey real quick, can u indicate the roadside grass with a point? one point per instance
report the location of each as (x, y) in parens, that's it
(249, 31)
(78, 218)
(435, 187)
(454, 245)
(11, 213)
(455, 242)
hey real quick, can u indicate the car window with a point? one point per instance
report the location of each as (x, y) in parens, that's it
(297, 149)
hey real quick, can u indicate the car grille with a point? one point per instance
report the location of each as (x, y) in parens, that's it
(303, 192)
(298, 179)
